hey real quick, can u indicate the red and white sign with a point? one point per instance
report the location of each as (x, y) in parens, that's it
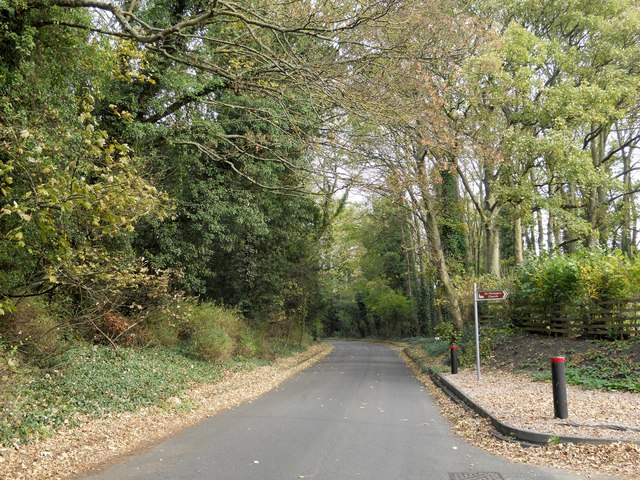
(492, 295)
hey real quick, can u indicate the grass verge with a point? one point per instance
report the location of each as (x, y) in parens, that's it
(91, 381)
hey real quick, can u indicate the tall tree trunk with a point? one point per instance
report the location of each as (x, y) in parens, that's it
(433, 231)
(408, 260)
(626, 245)
(591, 240)
(518, 250)
(597, 194)
(551, 226)
(531, 238)
(429, 219)
(492, 229)
(571, 238)
(541, 248)
(453, 232)
(493, 249)
(423, 286)
(634, 236)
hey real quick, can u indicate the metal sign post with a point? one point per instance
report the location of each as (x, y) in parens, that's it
(475, 314)
(480, 296)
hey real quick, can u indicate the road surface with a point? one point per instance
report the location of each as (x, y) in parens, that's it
(357, 414)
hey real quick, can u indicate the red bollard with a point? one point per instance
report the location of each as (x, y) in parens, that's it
(560, 406)
(454, 359)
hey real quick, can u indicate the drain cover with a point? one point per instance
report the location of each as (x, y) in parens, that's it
(475, 476)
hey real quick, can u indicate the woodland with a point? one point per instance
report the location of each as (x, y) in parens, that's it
(207, 175)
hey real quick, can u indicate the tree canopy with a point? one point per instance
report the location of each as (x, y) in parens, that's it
(161, 148)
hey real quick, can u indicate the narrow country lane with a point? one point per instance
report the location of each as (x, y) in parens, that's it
(358, 414)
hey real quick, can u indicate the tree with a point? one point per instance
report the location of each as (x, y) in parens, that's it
(554, 82)
(71, 192)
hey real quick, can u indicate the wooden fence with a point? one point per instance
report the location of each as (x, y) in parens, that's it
(614, 319)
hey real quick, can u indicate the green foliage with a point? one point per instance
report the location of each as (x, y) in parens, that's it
(34, 328)
(490, 338)
(554, 279)
(215, 334)
(381, 234)
(209, 342)
(93, 381)
(447, 332)
(454, 230)
(163, 327)
(601, 372)
(607, 374)
(121, 170)
(210, 333)
(186, 343)
(249, 344)
(435, 347)
(233, 241)
(72, 193)
(389, 310)
(608, 276)
(576, 282)
(368, 273)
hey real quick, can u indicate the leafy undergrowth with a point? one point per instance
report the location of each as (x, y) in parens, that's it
(597, 364)
(94, 381)
(603, 374)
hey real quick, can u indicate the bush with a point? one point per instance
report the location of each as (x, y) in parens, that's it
(446, 331)
(164, 327)
(206, 331)
(573, 283)
(249, 344)
(211, 343)
(34, 328)
(580, 278)
(210, 332)
(547, 280)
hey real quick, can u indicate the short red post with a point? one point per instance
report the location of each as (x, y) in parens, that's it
(454, 359)
(560, 407)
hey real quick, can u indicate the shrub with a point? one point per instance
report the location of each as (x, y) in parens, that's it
(446, 331)
(577, 279)
(205, 333)
(164, 327)
(249, 344)
(210, 342)
(547, 280)
(34, 328)
(573, 283)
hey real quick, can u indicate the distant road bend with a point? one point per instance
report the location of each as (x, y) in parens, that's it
(358, 414)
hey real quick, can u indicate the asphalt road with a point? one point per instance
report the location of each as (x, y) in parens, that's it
(358, 414)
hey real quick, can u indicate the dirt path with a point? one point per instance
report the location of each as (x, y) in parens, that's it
(77, 450)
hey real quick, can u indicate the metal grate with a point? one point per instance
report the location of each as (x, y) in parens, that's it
(475, 476)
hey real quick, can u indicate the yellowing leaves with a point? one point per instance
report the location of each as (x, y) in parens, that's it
(78, 187)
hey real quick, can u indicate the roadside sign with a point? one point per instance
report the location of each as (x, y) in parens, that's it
(492, 295)
(481, 296)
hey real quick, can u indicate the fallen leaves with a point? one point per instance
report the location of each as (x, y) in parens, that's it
(515, 401)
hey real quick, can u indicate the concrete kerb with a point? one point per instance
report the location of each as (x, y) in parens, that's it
(507, 431)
